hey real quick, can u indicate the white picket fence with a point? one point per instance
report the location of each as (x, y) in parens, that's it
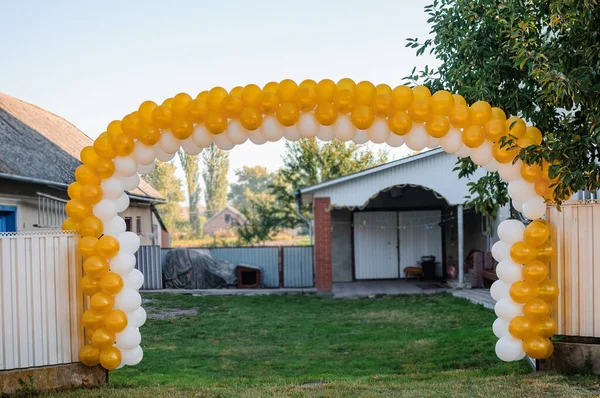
(40, 300)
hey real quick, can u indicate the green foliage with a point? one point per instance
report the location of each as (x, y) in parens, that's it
(536, 59)
(164, 180)
(191, 168)
(251, 181)
(216, 167)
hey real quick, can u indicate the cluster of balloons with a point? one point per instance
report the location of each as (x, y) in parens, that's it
(114, 315)
(345, 110)
(524, 294)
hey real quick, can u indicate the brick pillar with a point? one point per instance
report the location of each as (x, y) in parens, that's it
(322, 243)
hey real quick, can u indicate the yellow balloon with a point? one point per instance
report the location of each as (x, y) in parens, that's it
(459, 116)
(344, 100)
(88, 155)
(400, 123)
(442, 102)
(536, 233)
(288, 114)
(271, 87)
(534, 134)
(215, 97)
(111, 283)
(250, 95)
(131, 125)
(197, 110)
(536, 309)
(308, 83)
(536, 346)
(215, 123)
(548, 291)
(89, 285)
(107, 246)
(92, 320)
(95, 266)
(115, 321)
(522, 252)
(438, 125)
(542, 188)
(287, 91)
(251, 119)
(326, 113)
(85, 174)
(77, 210)
(89, 355)
(521, 292)
(498, 114)
(103, 146)
(326, 90)
(364, 93)
(123, 145)
(150, 135)
(419, 110)
(545, 328)
(345, 84)
(534, 272)
(521, 327)
(362, 116)
(268, 103)
(102, 302)
(145, 112)
(403, 96)
(168, 102)
(114, 128)
(504, 155)
(421, 92)
(70, 225)
(104, 168)
(459, 99)
(102, 338)
(515, 126)
(90, 194)
(383, 89)
(74, 190)
(481, 112)
(110, 358)
(545, 252)
(531, 172)
(306, 100)
(162, 117)
(231, 106)
(87, 246)
(494, 129)
(473, 136)
(383, 105)
(91, 226)
(182, 128)
(180, 104)
(236, 91)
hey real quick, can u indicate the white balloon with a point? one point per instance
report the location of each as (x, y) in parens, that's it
(190, 147)
(162, 155)
(534, 208)
(452, 141)
(509, 272)
(343, 129)
(105, 209)
(128, 300)
(361, 137)
(482, 155)
(129, 242)
(132, 357)
(256, 137)
(500, 290)
(500, 328)
(517, 205)
(137, 318)
(509, 349)
(236, 133)
(122, 202)
(509, 171)
(125, 166)
(142, 154)
(271, 129)
(379, 131)
(433, 142)
(144, 169)
(521, 190)
(417, 137)
(325, 133)
(114, 226)
(122, 264)
(133, 280)
(511, 231)
(129, 338)
(501, 251)
(168, 142)
(492, 166)
(130, 183)
(112, 188)
(394, 140)
(222, 142)
(291, 133)
(507, 309)
(307, 125)
(463, 152)
(202, 137)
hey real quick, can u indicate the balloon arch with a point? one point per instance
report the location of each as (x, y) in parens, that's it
(344, 110)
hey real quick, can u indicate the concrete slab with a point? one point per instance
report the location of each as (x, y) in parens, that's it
(476, 296)
(235, 292)
(372, 288)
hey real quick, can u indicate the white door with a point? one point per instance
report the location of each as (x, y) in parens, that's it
(375, 245)
(419, 234)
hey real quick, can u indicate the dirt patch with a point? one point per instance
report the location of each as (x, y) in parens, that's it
(169, 313)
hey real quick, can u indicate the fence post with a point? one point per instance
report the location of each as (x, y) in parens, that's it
(281, 264)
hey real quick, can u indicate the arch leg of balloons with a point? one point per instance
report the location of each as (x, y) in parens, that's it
(345, 110)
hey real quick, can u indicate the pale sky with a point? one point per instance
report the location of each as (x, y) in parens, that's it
(92, 62)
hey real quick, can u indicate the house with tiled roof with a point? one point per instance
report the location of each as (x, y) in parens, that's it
(39, 152)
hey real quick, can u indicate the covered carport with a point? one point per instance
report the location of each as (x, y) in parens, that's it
(375, 224)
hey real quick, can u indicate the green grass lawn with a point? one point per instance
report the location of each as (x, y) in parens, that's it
(297, 346)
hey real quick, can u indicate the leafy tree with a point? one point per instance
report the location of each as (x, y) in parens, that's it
(164, 180)
(536, 59)
(191, 167)
(251, 181)
(216, 167)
